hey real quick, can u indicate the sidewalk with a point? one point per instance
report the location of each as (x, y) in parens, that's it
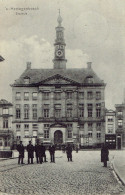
(119, 164)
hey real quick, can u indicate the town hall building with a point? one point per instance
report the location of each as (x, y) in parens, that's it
(59, 105)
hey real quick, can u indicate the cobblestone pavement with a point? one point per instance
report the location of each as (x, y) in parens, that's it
(85, 175)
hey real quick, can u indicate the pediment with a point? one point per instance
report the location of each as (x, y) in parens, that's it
(58, 79)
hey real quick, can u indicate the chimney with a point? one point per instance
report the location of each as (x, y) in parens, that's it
(89, 65)
(28, 65)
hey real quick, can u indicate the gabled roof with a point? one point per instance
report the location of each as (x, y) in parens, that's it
(77, 75)
(5, 103)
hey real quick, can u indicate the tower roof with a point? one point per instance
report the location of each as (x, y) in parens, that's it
(59, 19)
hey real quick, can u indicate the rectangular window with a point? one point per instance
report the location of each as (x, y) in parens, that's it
(98, 95)
(26, 95)
(82, 127)
(69, 126)
(46, 95)
(69, 106)
(26, 133)
(5, 123)
(46, 134)
(90, 134)
(69, 95)
(57, 113)
(69, 113)
(46, 126)
(57, 95)
(120, 123)
(110, 128)
(35, 126)
(26, 111)
(26, 127)
(5, 111)
(69, 133)
(34, 95)
(81, 113)
(98, 113)
(18, 137)
(18, 111)
(120, 113)
(1, 142)
(35, 134)
(90, 108)
(46, 113)
(34, 111)
(89, 126)
(81, 95)
(89, 95)
(110, 118)
(18, 127)
(98, 126)
(18, 95)
(98, 135)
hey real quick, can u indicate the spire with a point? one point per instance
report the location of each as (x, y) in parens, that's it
(59, 19)
(59, 54)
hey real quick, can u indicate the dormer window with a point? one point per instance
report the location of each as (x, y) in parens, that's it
(26, 80)
(89, 79)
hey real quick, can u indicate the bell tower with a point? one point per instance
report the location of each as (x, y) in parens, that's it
(59, 54)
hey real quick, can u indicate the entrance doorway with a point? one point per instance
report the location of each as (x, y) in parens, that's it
(58, 137)
(119, 142)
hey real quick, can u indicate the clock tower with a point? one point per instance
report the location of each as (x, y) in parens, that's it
(59, 54)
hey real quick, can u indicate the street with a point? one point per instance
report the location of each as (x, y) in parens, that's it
(85, 175)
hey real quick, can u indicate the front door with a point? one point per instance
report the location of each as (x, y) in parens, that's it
(119, 142)
(58, 137)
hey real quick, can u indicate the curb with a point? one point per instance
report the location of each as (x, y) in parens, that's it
(118, 173)
(8, 158)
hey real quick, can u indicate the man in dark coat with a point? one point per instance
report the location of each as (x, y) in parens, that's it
(69, 152)
(52, 153)
(43, 152)
(37, 151)
(20, 149)
(30, 150)
(104, 155)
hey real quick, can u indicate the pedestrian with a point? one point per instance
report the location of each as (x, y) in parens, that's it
(43, 152)
(52, 153)
(30, 150)
(104, 154)
(20, 149)
(77, 149)
(37, 151)
(69, 152)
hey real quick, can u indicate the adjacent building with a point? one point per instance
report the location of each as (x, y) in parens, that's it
(59, 105)
(120, 125)
(6, 134)
(110, 128)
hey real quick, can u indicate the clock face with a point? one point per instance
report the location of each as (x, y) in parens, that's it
(59, 53)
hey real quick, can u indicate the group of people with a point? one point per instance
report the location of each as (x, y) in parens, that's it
(40, 152)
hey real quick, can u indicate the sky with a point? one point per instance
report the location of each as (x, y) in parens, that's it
(94, 31)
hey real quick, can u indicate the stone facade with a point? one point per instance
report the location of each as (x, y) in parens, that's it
(110, 129)
(59, 105)
(120, 126)
(6, 135)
